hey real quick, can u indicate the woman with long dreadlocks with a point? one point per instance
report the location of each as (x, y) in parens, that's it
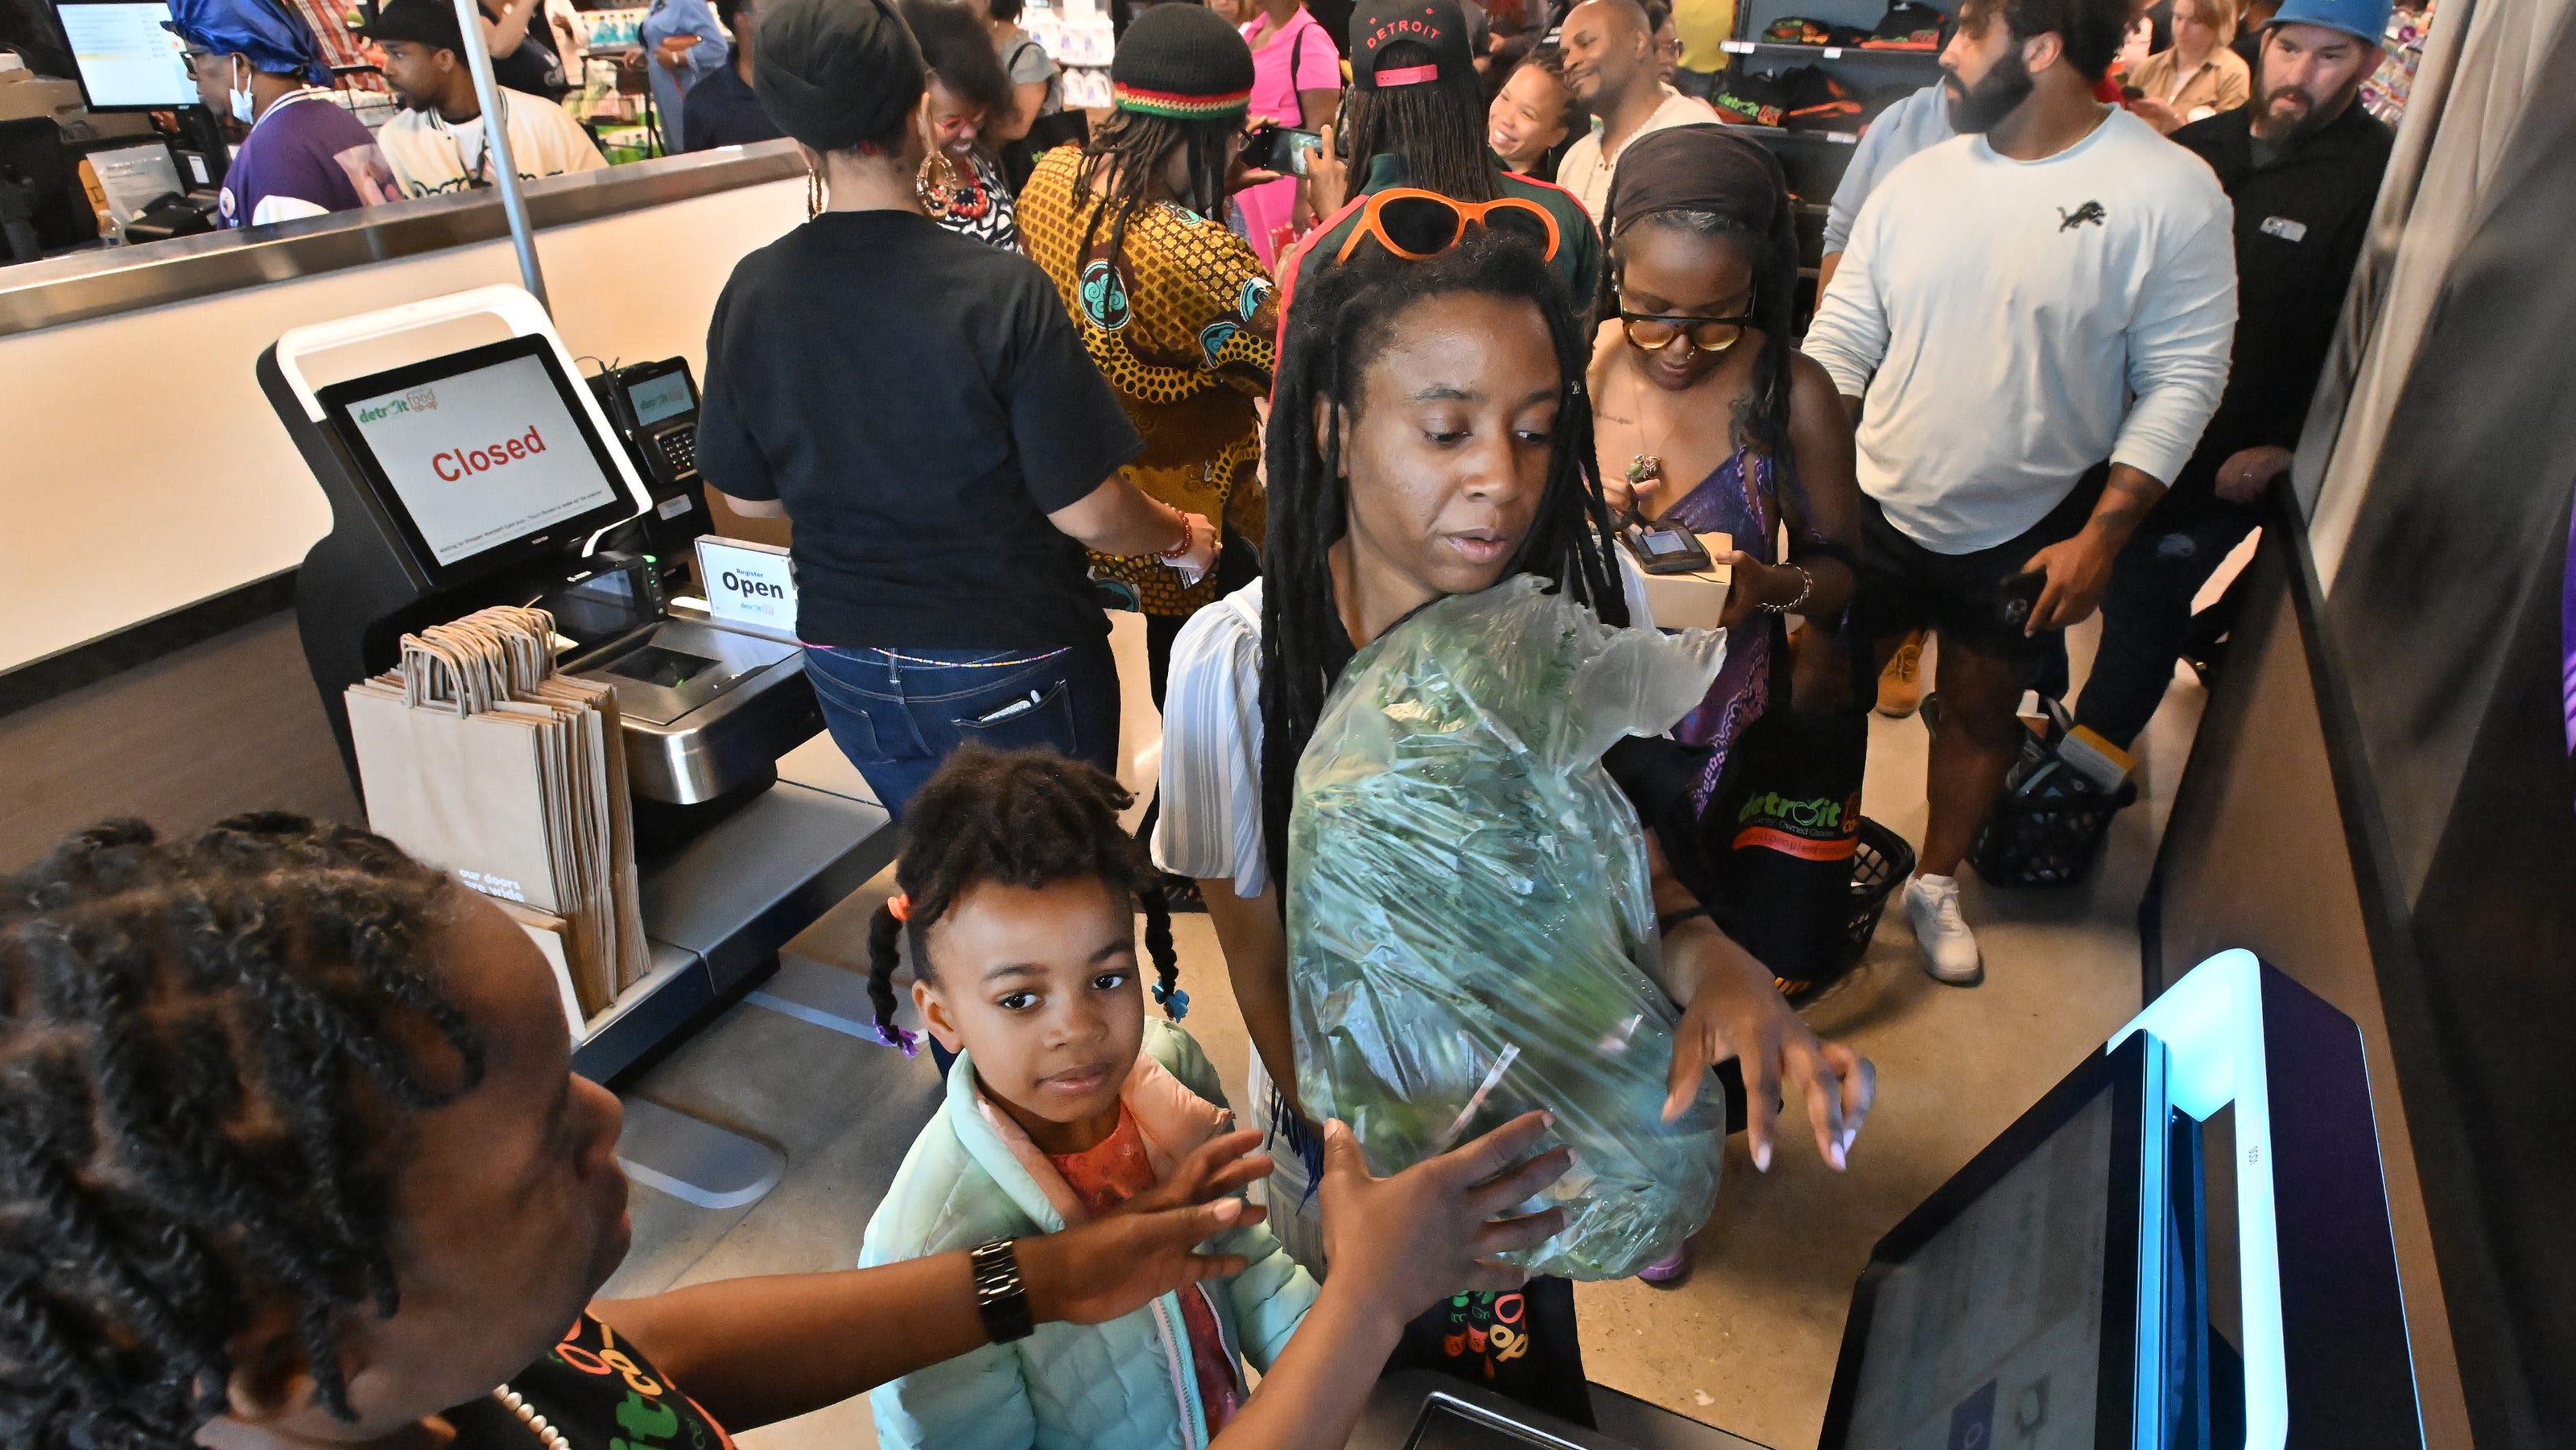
(1705, 415)
(1429, 435)
(1174, 308)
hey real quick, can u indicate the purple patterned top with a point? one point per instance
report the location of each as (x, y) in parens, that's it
(1736, 498)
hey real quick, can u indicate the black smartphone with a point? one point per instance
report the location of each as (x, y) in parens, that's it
(2021, 596)
(1283, 149)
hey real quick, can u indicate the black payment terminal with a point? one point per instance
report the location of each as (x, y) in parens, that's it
(1665, 548)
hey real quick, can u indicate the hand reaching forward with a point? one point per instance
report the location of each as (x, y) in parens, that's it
(1148, 1246)
(1434, 1229)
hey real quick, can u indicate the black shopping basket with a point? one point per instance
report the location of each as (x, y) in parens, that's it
(1879, 862)
(2049, 827)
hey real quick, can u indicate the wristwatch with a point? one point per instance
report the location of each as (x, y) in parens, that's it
(1001, 1300)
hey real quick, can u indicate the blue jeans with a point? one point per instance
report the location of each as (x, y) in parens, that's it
(897, 713)
(2146, 615)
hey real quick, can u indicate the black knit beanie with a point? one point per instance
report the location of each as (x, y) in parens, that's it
(836, 73)
(1181, 61)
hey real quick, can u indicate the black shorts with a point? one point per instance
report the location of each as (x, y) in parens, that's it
(1960, 597)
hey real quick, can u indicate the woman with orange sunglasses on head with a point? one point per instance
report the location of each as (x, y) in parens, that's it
(1429, 435)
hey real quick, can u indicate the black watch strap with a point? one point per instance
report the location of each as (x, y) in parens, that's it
(1000, 1298)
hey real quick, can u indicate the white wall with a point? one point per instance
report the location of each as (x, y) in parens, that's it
(141, 468)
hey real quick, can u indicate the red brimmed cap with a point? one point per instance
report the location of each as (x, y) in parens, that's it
(1437, 26)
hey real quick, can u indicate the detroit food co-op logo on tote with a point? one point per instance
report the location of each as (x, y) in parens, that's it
(483, 457)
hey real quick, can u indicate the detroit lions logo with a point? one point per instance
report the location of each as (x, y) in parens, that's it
(2090, 211)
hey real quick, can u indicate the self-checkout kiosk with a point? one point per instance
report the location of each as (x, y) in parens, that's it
(2070, 1288)
(468, 465)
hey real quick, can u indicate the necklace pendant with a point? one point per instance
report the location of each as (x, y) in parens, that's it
(1645, 468)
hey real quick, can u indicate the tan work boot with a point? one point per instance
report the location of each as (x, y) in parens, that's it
(1900, 691)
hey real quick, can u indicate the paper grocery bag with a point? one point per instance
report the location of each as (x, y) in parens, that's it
(466, 792)
(477, 756)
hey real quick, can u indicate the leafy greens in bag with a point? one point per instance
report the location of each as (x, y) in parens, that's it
(1470, 927)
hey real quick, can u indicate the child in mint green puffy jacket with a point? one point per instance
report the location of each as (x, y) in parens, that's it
(1019, 894)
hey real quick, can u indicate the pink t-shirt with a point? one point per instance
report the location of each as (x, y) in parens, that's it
(1301, 58)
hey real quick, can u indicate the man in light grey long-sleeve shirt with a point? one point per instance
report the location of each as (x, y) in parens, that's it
(2054, 287)
(1919, 122)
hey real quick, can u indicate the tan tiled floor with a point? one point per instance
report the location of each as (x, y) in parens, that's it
(1748, 1341)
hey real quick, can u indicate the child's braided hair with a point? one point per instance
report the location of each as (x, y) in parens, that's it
(1022, 818)
(208, 1053)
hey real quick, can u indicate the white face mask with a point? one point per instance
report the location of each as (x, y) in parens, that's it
(239, 95)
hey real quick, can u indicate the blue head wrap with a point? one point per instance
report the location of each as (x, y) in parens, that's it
(274, 37)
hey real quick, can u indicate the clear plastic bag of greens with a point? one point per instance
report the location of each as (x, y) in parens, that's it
(1470, 925)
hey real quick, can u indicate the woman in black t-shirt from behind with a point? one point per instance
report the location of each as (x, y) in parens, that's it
(919, 407)
(293, 1157)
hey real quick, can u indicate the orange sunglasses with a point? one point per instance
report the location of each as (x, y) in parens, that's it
(1417, 225)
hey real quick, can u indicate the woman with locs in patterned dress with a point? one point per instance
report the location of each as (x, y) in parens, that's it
(1175, 308)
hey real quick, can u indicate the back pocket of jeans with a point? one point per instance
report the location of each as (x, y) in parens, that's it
(1039, 719)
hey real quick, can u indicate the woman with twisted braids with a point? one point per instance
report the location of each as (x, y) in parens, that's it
(291, 1155)
(1429, 435)
(1174, 308)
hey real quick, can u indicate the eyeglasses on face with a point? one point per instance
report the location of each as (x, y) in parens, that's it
(1417, 225)
(1654, 332)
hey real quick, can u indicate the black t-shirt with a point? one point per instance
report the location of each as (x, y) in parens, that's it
(920, 403)
(2301, 218)
(722, 111)
(598, 1392)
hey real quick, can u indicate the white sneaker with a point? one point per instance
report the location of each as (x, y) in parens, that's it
(1949, 948)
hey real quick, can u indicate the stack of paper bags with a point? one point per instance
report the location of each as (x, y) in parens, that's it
(475, 755)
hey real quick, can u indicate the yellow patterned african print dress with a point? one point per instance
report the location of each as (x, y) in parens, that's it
(1184, 332)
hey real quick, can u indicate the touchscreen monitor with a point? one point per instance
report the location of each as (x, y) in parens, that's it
(2014, 1307)
(134, 177)
(658, 398)
(480, 458)
(127, 58)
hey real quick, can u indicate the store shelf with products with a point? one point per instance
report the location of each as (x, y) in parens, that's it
(1078, 37)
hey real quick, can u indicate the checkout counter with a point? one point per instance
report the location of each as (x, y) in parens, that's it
(2072, 1287)
(493, 475)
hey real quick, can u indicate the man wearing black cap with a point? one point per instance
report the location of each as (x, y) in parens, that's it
(1417, 118)
(920, 407)
(438, 143)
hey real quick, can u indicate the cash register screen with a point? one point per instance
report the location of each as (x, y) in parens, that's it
(655, 399)
(482, 455)
(126, 57)
(1994, 1328)
(1993, 1316)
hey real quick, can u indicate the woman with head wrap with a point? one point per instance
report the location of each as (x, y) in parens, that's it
(1707, 417)
(921, 408)
(259, 65)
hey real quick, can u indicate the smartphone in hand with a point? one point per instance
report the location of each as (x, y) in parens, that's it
(1283, 149)
(2021, 595)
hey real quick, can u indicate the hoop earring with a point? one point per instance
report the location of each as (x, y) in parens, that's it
(813, 194)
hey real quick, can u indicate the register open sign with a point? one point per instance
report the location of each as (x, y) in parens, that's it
(454, 464)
